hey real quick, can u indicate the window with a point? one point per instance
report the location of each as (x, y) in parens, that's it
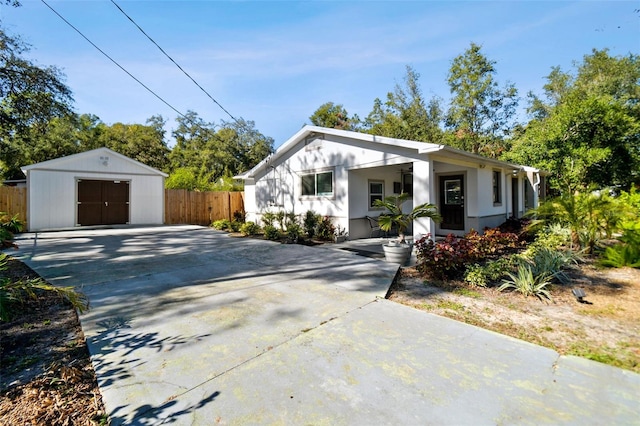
(453, 192)
(376, 192)
(317, 184)
(407, 183)
(497, 187)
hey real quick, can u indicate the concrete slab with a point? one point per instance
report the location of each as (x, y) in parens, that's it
(190, 326)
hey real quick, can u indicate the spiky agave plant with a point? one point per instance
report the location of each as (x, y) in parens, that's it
(527, 283)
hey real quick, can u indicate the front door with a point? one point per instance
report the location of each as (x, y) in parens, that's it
(452, 202)
(103, 202)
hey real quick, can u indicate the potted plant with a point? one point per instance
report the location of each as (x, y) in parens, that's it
(399, 251)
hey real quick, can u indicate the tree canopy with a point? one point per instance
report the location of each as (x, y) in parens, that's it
(586, 129)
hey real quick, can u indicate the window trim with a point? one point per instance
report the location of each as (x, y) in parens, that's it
(496, 184)
(315, 182)
(381, 183)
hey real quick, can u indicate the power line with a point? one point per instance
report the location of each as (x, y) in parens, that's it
(175, 63)
(114, 61)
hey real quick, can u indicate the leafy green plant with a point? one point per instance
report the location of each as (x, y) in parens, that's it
(310, 223)
(395, 217)
(294, 232)
(11, 223)
(526, 282)
(490, 272)
(552, 263)
(221, 225)
(325, 230)
(590, 216)
(271, 233)
(249, 228)
(268, 218)
(234, 225)
(14, 293)
(626, 252)
(280, 216)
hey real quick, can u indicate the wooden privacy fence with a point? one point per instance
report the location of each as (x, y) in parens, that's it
(181, 206)
(13, 200)
(200, 208)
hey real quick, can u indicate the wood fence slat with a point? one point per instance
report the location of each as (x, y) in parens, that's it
(200, 208)
(13, 200)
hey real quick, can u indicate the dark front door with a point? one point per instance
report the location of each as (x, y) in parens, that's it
(452, 202)
(103, 202)
(514, 197)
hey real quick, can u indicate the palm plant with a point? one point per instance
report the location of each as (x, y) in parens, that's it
(395, 217)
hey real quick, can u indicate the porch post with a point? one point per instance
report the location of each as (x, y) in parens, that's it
(423, 192)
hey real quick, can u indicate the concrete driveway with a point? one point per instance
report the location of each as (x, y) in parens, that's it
(189, 326)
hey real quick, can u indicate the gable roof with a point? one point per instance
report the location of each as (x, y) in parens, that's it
(51, 164)
(377, 142)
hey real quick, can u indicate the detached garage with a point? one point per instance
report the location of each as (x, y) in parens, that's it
(99, 187)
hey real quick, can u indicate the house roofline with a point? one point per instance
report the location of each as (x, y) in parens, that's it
(44, 164)
(420, 147)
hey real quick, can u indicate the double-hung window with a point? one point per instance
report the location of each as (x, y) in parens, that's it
(317, 184)
(376, 192)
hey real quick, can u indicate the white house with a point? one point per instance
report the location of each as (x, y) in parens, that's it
(98, 187)
(340, 173)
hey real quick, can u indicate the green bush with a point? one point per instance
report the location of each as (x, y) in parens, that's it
(325, 230)
(294, 232)
(249, 228)
(626, 252)
(310, 223)
(489, 273)
(11, 223)
(234, 226)
(271, 233)
(268, 219)
(222, 225)
(448, 258)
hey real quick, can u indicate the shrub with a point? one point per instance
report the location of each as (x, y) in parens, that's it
(325, 230)
(249, 228)
(447, 259)
(489, 273)
(294, 232)
(11, 223)
(310, 222)
(626, 252)
(271, 233)
(234, 226)
(239, 216)
(221, 224)
(268, 218)
(280, 219)
(526, 282)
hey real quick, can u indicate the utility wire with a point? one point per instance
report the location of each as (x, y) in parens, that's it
(175, 63)
(114, 61)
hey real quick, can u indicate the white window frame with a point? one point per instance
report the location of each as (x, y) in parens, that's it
(317, 194)
(379, 194)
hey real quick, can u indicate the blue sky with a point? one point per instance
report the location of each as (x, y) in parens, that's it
(276, 62)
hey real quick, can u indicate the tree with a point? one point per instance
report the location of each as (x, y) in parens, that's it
(213, 154)
(334, 116)
(480, 114)
(586, 130)
(30, 96)
(405, 115)
(143, 143)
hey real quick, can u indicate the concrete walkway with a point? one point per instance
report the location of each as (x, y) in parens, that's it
(191, 327)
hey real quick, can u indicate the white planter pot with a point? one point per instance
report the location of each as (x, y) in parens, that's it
(397, 253)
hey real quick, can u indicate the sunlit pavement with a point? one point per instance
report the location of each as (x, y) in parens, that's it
(190, 326)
